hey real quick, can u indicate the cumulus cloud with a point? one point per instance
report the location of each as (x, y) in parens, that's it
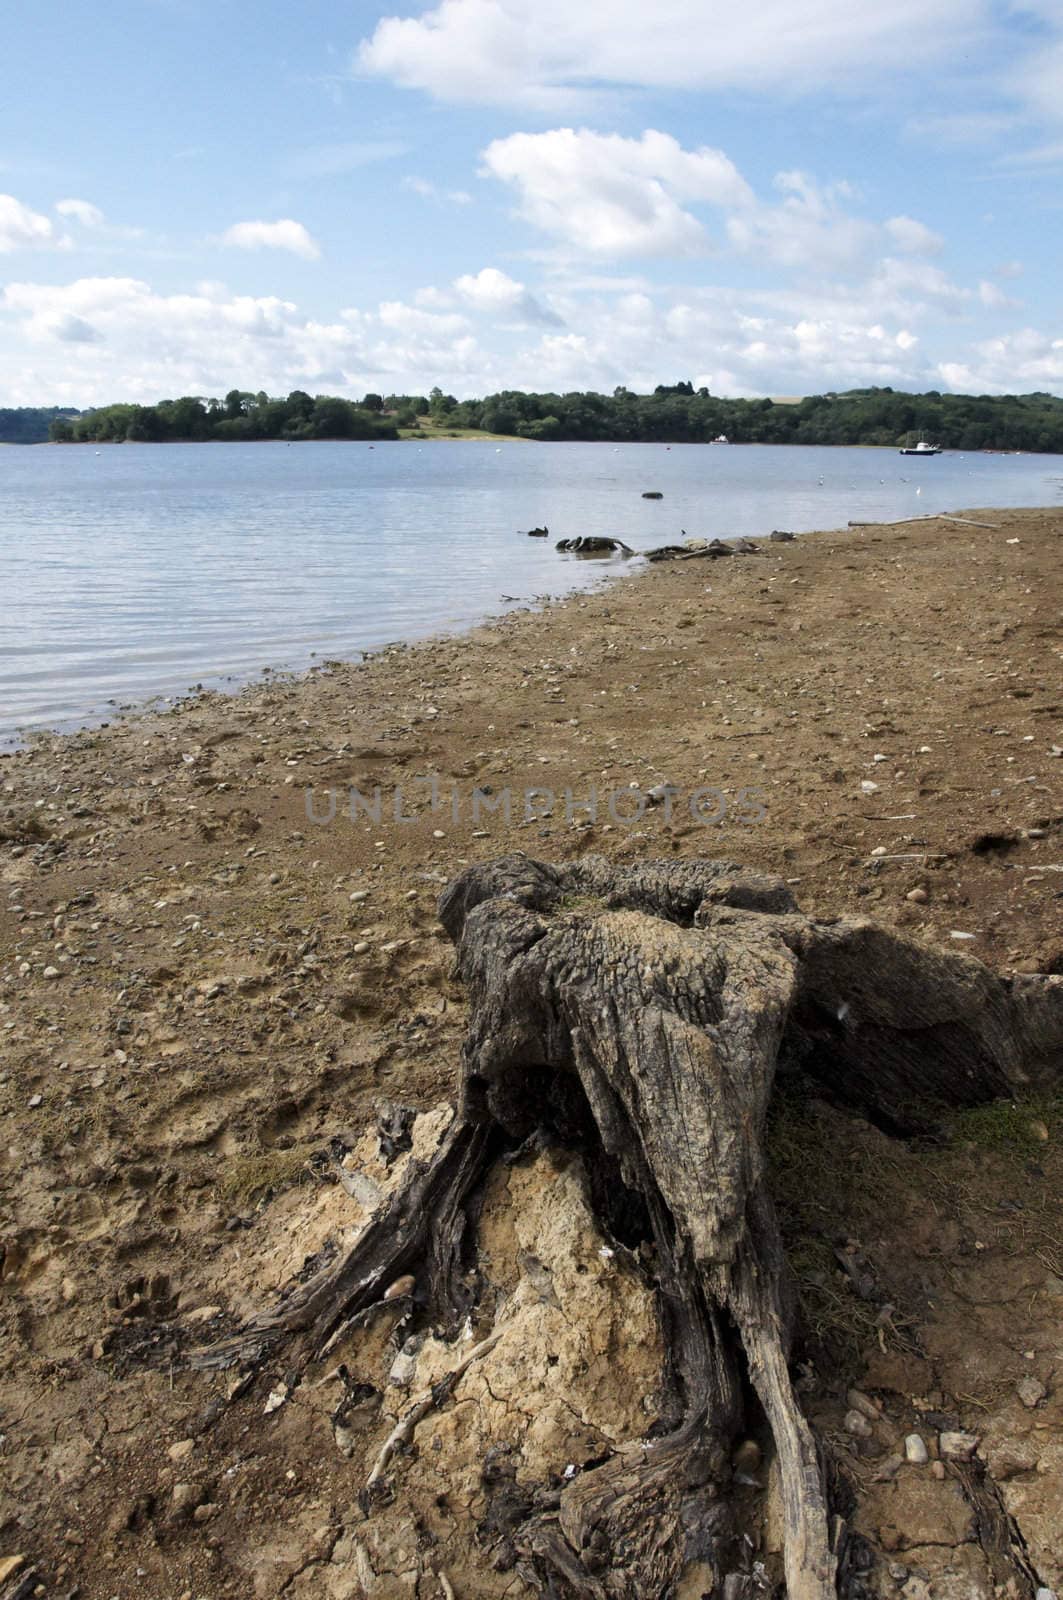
(1017, 363)
(548, 55)
(494, 292)
(914, 237)
(903, 323)
(21, 228)
(82, 211)
(612, 196)
(283, 235)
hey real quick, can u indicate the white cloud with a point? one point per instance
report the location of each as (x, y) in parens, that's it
(550, 54)
(430, 191)
(82, 211)
(1017, 363)
(283, 235)
(611, 196)
(914, 237)
(21, 228)
(904, 323)
(494, 292)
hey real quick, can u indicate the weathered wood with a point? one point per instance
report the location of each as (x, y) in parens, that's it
(640, 1014)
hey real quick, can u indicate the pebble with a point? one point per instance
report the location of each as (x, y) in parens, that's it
(52, 972)
(181, 1450)
(857, 1424)
(401, 1286)
(919, 896)
(915, 1449)
(205, 1513)
(360, 894)
(184, 1496)
(361, 947)
(276, 1399)
(35, 1101)
(954, 934)
(937, 1470)
(956, 1446)
(857, 1400)
(1031, 1391)
(868, 787)
(437, 833)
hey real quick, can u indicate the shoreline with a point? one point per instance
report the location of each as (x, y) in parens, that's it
(163, 702)
(202, 984)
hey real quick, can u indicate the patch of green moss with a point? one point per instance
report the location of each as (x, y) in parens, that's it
(1012, 1127)
(247, 1178)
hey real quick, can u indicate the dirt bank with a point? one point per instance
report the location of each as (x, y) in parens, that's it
(205, 997)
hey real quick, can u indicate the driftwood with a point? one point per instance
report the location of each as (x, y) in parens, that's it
(939, 516)
(642, 1014)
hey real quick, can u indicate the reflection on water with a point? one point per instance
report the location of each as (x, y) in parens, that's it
(137, 571)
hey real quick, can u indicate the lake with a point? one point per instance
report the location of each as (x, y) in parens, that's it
(136, 572)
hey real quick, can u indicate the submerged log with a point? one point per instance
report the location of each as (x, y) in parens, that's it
(641, 1015)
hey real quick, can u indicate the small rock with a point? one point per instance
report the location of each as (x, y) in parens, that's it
(52, 972)
(915, 1449)
(918, 895)
(35, 1101)
(937, 1470)
(1031, 1391)
(868, 787)
(206, 1513)
(956, 1446)
(857, 1424)
(437, 833)
(857, 1400)
(401, 1286)
(202, 1314)
(360, 894)
(185, 1496)
(955, 934)
(276, 1399)
(181, 1450)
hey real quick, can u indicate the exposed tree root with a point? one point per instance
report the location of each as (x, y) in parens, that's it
(642, 1014)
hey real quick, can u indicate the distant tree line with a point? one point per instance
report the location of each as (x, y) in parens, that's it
(240, 415)
(679, 413)
(672, 414)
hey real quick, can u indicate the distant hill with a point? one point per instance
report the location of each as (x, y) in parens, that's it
(30, 424)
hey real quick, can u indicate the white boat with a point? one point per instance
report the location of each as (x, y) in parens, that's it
(921, 449)
(721, 438)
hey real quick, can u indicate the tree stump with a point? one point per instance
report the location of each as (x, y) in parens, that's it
(642, 1015)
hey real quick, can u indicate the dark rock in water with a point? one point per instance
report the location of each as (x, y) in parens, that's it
(652, 494)
(539, 533)
(593, 545)
(781, 536)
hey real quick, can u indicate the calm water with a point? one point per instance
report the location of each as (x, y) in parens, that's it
(136, 572)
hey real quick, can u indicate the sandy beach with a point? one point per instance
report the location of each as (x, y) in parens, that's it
(205, 977)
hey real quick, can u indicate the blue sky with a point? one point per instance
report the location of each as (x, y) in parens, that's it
(776, 199)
